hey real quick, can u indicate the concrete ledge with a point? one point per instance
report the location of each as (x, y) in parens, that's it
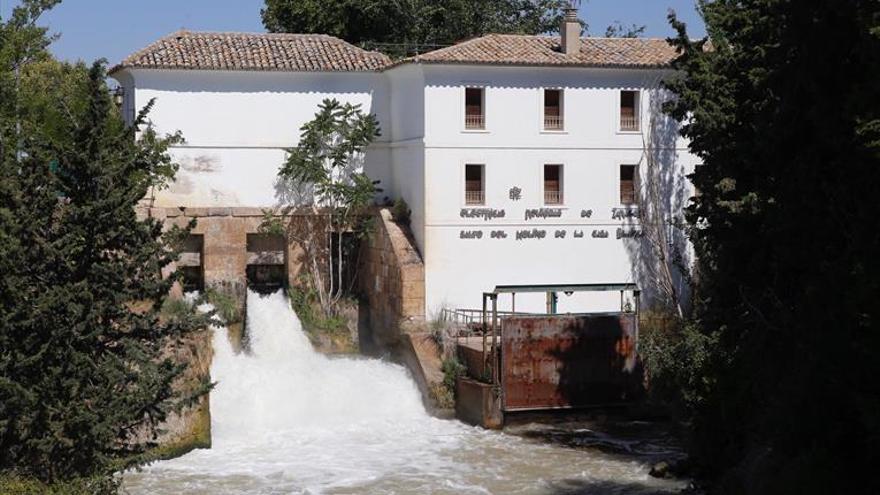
(477, 404)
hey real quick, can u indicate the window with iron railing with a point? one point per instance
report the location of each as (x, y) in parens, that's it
(629, 184)
(474, 187)
(629, 110)
(553, 184)
(553, 110)
(474, 108)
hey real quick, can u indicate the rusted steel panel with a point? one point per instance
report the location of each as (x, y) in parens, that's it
(563, 361)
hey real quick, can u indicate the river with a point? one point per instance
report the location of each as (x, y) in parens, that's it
(288, 420)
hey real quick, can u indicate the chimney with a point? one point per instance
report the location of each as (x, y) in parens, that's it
(570, 31)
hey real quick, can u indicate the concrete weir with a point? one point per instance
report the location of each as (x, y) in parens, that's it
(232, 247)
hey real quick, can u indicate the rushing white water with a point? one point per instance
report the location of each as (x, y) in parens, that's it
(286, 419)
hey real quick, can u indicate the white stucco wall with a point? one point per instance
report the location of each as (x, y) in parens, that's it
(238, 123)
(514, 148)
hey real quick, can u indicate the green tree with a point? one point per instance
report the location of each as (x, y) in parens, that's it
(324, 174)
(783, 108)
(404, 27)
(619, 30)
(83, 384)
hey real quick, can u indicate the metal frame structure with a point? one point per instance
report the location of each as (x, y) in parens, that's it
(491, 314)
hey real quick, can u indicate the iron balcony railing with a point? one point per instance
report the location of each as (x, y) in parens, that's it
(473, 197)
(553, 197)
(553, 122)
(629, 122)
(474, 122)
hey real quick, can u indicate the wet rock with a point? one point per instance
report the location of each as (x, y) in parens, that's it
(661, 470)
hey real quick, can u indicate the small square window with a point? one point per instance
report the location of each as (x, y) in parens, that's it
(553, 110)
(474, 108)
(629, 110)
(629, 184)
(474, 184)
(553, 184)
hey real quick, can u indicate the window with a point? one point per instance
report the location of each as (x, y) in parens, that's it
(553, 110)
(474, 109)
(629, 110)
(474, 184)
(553, 184)
(191, 263)
(629, 184)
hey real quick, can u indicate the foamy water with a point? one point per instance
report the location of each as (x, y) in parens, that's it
(287, 420)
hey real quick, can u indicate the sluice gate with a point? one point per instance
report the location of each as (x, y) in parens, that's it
(533, 362)
(266, 270)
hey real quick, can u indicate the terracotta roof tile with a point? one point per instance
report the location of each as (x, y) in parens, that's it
(254, 51)
(514, 49)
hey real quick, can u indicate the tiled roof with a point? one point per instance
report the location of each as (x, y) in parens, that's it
(254, 51)
(515, 49)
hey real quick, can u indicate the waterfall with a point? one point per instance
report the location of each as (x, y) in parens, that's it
(283, 383)
(286, 419)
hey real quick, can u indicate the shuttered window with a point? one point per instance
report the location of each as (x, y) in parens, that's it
(553, 184)
(474, 186)
(474, 108)
(629, 184)
(629, 110)
(553, 110)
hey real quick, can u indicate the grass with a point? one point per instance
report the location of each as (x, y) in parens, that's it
(15, 484)
(225, 305)
(175, 308)
(321, 329)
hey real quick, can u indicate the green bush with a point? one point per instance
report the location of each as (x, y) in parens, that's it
(452, 369)
(675, 355)
(400, 212)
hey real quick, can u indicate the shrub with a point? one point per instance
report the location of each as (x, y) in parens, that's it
(400, 212)
(452, 369)
(675, 354)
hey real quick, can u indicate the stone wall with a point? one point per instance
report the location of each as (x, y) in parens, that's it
(392, 280)
(224, 254)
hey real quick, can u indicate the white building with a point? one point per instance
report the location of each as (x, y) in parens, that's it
(520, 158)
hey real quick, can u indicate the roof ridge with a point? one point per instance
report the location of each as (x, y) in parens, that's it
(236, 50)
(542, 49)
(254, 33)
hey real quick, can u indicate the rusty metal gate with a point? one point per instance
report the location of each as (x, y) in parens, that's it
(565, 361)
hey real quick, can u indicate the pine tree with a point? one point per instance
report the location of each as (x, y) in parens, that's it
(783, 108)
(83, 380)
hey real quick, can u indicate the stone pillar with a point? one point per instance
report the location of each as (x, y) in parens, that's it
(225, 254)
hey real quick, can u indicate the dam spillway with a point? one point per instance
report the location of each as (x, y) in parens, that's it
(286, 419)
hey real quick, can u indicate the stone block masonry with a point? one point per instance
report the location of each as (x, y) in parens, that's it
(392, 279)
(225, 254)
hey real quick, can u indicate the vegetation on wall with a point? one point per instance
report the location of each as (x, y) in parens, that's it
(328, 334)
(783, 109)
(401, 213)
(83, 384)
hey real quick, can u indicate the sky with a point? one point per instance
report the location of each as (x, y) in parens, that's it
(112, 29)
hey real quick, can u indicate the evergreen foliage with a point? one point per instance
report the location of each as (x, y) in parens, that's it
(403, 28)
(83, 380)
(783, 108)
